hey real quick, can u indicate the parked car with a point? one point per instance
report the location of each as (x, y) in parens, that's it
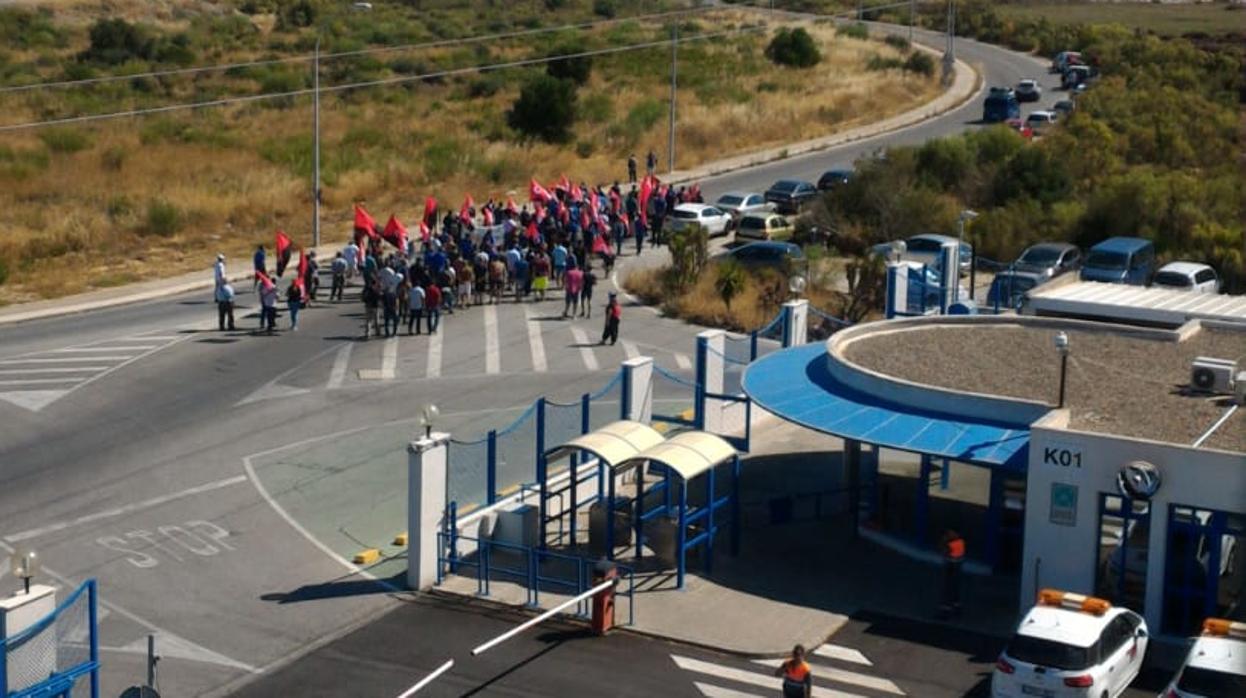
(833, 178)
(1215, 664)
(927, 248)
(789, 195)
(1188, 276)
(1075, 75)
(924, 291)
(1049, 259)
(1028, 90)
(713, 219)
(1120, 260)
(1039, 121)
(1008, 289)
(1064, 59)
(1064, 107)
(738, 203)
(763, 226)
(1022, 130)
(771, 253)
(1001, 105)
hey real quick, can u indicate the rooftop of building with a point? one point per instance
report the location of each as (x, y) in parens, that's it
(1121, 380)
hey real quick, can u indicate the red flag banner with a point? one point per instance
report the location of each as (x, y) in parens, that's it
(425, 232)
(283, 252)
(301, 281)
(488, 217)
(646, 190)
(395, 233)
(537, 192)
(564, 184)
(465, 213)
(365, 225)
(430, 211)
(531, 230)
(264, 279)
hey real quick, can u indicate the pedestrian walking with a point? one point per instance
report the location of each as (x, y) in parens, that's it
(571, 291)
(294, 303)
(614, 314)
(953, 559)
(467, 279)
(631, 168)
(268, 305)
(415, 308)
(258, 262)
(540, 274)
(339, 277)
(651, 161)
(797, 677)
(350, 253)
(640, 235)
(559, 258)
(311, 276)
(586, 294)
(371, 308)
(225, 306)
(432, 306)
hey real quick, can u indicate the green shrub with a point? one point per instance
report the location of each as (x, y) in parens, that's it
(163, 219)
(29, 28)
(897, 41)
(879, 62)
(605, 8)
(116, 41)
(793, 48)
(65, 140)
(296, 14)
(856, 30)
(113, 158)
(118, 207)
(921, 63)
(545, 109)
(577, 69)
(585, 149)
(596, 108)
(442, 157)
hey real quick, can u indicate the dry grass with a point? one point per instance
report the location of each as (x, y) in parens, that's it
(239, 173)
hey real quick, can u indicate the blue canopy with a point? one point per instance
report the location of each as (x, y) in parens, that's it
(796, 384)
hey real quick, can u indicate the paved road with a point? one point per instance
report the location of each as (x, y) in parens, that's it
(156, 457)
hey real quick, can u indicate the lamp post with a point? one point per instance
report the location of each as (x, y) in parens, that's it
(25, 564)
(1062, 346)
(428, 415)
(965, 216)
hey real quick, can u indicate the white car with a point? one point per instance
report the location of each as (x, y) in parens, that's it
(713, 219)
(738, 203)
(1029, 90)
(1187, 276)
(1071, 645)
(1216, 664)
(1041, 119)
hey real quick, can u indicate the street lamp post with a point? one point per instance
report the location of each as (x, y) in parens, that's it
(316, 146)
(670, 145)
(1062, 346)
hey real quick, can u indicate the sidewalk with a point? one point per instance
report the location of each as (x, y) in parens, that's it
(962, 89)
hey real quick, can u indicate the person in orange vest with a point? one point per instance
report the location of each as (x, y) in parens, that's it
(953, 559)
(797, 678)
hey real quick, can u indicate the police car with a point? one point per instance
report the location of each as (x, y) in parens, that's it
(1071, 645)
(1216, 665)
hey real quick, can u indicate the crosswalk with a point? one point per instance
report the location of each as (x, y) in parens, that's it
(34, 381)
(838, 672)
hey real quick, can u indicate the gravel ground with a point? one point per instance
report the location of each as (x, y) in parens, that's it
(1116, 384)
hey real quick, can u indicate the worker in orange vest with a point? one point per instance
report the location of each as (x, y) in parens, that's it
(797, 678)
(953, 560)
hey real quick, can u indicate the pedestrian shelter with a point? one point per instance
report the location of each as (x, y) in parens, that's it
(612, 444)
(680, 460)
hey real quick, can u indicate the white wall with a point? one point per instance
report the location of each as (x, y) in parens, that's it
(1066, 556)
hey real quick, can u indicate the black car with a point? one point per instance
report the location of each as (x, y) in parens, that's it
(833, 178)
(788, 195)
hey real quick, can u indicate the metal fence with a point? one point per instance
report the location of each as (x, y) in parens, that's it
(820, 325)
(58, 655)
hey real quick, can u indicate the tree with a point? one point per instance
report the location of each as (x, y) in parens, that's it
(689, 248)
(116, 41)
(576, 69)
(545, 109)
(794, 48)
(730, 281)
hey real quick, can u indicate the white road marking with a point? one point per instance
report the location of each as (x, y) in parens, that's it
(340, 363)
(41, 381)
(771, 683)
(536, 342)
(271, 391)
(127, 509)
(586, 352)
(87, 350)
(821, 671)
(33, 400)
(493, 359)
(683, 362)
(630, 349)
(154, 337)
(845, 654)
(434, 355)
(64, 361)
(389, 362)
(28, 371)
(709, 690)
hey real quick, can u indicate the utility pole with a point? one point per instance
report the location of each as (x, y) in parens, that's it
(912, 14)
(670, 145)
(316, 146)
(949, 56)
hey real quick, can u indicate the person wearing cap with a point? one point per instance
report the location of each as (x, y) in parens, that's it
(614, 313)
(224, 296)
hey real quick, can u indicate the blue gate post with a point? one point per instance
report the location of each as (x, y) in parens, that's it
(541, 470)
(710, 496)
(752, 346)
(491, 468)
(682, 538)
(640, 508)
(698, 407)
(945, 474)
(921, 515)
(93, 609)
(994, 516)
(735, 504)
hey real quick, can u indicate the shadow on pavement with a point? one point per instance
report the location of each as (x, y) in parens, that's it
(336, 589)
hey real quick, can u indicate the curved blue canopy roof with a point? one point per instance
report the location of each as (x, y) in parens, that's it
(796, 384)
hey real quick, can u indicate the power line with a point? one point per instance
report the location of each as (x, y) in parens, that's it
(8, 128)
(347, 54)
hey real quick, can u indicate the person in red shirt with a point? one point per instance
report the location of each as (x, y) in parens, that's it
(432, 305)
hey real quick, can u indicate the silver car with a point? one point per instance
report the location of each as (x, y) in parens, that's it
(738, 203)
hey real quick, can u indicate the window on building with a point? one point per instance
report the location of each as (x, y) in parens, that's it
(1204, 568)
(1124, 538)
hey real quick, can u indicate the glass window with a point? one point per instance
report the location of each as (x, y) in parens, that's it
(1172, 279)
(730, 200)
(1204, 569)
(1105, 259)
(1211, 683)
(1124, 539)
(1204, 276)
(755, 200)
(1049, 653)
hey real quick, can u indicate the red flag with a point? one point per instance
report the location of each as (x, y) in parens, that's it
(265, 280)
(488, 216)
(599, 244)
(465, 213)
(615, 201)
(592, 206)
(646, 190)
(283, 252)
(539, 215)
(430, 210)
(300, 282)
(531, 230)
(537, 192)
(577, 195)
(425, 232)
(564, 184)
(365, 225)
(395, 233)
(584, 217)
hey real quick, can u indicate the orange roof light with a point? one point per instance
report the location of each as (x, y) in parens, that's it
(1073, 602)
(1224, 628)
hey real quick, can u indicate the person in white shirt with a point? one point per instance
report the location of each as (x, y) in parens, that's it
(351, 254)
(415, 303)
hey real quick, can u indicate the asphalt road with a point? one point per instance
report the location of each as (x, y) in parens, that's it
(147, 451)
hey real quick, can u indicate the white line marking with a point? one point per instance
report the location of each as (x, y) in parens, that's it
(630, 349)
(42, 381)
(821, 671)
(389, 360)
(154, 337)
(428, 679)
(33, 400)
(340, 363)
(122, 365)
(586, 352)
(772, 683)
(683, 362)
(127, 509)
(28, 371)
(85, 350)
(493, 359)
(434, 355)
(709, 690)
(846, 654)
(64, 361)
(536, 342)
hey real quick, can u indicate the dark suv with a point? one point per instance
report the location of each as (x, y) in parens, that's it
(789, 195)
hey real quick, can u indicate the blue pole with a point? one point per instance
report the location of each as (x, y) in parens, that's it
(921, 514)
(491, 468)
(541, 469)
(699, 406)
(93, 603)
(667, 495)
(945, 475)
(683, 531)
(586, 401)
(786, 313)
(752, 346)
(640, 507)
(735, 505)
(610, 518)
(626, 401)
(709, 527)
(453, 535)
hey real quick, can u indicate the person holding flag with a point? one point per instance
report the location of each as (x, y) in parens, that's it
(365, 226)
(283, 252)
(309, 272)
(268, 301)
(395, 233)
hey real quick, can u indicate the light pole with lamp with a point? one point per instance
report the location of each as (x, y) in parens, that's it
(24, 564)
(965, 216)
(428, 415)
(1062, 346)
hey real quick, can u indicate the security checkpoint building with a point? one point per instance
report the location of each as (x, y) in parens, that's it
(1106, 468)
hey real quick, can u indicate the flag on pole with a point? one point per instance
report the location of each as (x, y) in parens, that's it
(465, 212)
(487, 215)
(365, 225)
(425, 232)
(531, 230)
(430, 211)
(395, 233)
(538, 193)
(264, 279)
(646, 190)
(283, 252)
(301, 282)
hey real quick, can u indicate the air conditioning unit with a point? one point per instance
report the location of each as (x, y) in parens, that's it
(1239, 388)
(1211, 375)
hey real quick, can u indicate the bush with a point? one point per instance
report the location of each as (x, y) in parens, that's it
(596, 108)
(921, 63)
(545, 109)
(853, 31)
(577, 69)
(898, 42)
(794, 48)
(163, 219)
(300, 13)
(585, 149)
(605, 8)
(65, 140)
(113, 158)
(116, 41)
(878, 62)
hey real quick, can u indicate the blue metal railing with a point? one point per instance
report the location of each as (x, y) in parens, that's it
(62, 681)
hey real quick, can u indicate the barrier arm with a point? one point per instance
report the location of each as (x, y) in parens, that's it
(543, 617)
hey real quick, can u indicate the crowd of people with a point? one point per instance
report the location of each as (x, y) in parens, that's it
(491, 254)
